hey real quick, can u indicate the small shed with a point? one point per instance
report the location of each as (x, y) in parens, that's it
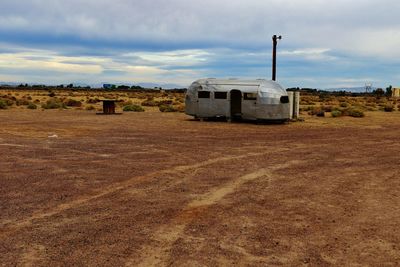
(109, 107)
(238, 99)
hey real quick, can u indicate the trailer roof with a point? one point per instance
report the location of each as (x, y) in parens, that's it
(243, 85)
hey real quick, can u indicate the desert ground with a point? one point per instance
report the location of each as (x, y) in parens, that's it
(160, 189)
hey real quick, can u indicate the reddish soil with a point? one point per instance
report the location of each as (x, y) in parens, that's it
(145, 189)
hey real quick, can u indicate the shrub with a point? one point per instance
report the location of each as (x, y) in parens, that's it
(22, 102)
(51, 94)
(125, 103)
(180, 108)
(344, 104)
(149, 103)
(90, 107)
(73, 103)
(167, 108)
(318, 111)
(134, 108)
(9, 102)
(388, 108)
(357, 113)
(165, 102)
(92, 101)
(179, 101)
(31, 106)
(327, 108)
(3, 104)
(336, 113)
(53, 104)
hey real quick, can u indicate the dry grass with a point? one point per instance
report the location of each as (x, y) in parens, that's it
(86, 99)
(318, 105)
(347, 105)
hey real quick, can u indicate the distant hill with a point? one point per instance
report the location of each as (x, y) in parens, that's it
(144, 85)
(350, 89)
(100, 85)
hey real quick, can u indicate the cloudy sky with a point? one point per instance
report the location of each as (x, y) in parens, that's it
(325, 43)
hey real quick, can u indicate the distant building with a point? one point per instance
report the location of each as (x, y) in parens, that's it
(109, 86)
(395, 92)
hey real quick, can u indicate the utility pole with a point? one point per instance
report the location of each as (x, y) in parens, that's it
(275, 39)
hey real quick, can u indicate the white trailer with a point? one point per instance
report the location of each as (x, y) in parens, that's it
(238, 99)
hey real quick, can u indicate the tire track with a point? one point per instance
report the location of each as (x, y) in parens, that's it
(168, 234)
(10, 227)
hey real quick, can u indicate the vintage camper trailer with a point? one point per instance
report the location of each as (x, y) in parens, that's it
(237, 99)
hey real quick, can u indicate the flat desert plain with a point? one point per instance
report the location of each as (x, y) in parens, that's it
(160, 189)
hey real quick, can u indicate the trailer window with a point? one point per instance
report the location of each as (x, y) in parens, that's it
(204, 94)
(250, 96)
(220, 95)
(284, 99)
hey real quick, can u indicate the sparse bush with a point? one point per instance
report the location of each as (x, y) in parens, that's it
(51, 94)
(344, 104)
(327, 108)
(149, 103)
(167, 108)
(92, 101)
(388, 108)
(125, 103)
(72, 103)
(180, 108)
(316, 111)
(31, 106)
(357, 113)
(165, 102)
(134, 108)
(53, 103)
(336, 113)
(3, 104)
(371, 108)
(8, 101)
(90, 107)
(22, 102)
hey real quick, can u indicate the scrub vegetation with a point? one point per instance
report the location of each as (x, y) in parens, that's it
(313, 103)
(90, 99)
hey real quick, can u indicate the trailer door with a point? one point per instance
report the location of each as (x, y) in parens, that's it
(249, 106)
(204, 104)
(236, 104)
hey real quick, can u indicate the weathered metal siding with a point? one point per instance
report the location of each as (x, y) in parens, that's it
(267, 104)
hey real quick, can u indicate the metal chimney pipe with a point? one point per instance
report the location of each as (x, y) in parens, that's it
(275, 39)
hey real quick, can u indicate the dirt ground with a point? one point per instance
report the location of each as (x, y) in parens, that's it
(158, 189)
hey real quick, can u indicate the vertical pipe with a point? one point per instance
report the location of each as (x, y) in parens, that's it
(275, 42)
(291, 104)
(296, 107)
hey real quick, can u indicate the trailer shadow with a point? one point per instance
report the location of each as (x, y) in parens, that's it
(240, 121)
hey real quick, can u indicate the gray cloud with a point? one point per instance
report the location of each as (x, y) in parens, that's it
(175, 38)
(334, 24)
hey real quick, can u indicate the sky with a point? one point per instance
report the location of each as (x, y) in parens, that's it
(326, 44)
